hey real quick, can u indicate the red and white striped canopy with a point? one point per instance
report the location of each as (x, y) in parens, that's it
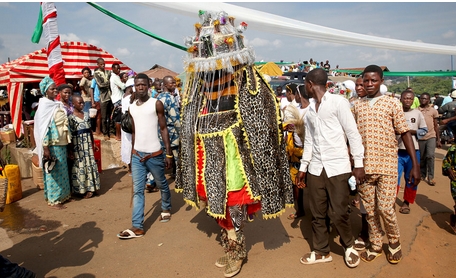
(33, 67)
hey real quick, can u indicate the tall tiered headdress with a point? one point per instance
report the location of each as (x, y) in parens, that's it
(217, 44)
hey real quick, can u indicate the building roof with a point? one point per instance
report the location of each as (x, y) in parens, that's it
(384, 68)
(159, 72)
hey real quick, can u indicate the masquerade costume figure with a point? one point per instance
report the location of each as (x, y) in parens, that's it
(232, 153)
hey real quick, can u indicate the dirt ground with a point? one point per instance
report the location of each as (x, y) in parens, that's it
(81, 240)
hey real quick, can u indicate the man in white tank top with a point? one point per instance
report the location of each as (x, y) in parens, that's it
(147, 154)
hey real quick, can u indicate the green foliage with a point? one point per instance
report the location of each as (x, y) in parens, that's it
(422, 84)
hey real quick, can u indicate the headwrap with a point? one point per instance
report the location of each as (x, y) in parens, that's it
(45, 83)
(130, 83)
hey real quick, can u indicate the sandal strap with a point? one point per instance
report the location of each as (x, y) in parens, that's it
(373, 252)
(395, 250)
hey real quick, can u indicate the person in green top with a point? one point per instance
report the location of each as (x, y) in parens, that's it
(449, 170)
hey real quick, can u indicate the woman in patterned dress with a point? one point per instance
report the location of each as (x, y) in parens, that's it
(84, 174)
(52, 138)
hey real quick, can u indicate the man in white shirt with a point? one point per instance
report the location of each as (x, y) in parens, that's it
(117, 86)
(117, 92)
(329, 123)
(148, 116)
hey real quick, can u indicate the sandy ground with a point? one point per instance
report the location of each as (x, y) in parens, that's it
(81, 240)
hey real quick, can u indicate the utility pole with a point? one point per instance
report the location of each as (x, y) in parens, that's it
(451, 62)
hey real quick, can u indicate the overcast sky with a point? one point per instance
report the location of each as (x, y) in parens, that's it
(77, 21)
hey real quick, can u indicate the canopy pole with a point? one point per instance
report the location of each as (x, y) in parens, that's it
(451, 62)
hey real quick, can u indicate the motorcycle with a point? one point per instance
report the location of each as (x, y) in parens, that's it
(446, 132)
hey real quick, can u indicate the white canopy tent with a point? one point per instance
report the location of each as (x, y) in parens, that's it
(285, 26)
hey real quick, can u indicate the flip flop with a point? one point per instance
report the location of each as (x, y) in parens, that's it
(348, 260)
(127, 234)
(369, 253)
(404, 210)
(165, 217)
(311, 258)
(359, 245)
(51, 163)
(393, 252)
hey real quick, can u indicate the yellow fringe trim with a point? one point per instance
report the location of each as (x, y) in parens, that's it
(220, 133)
(275, 215)
(218, 66)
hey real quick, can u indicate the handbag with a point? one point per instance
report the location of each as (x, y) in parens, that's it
(126, 123)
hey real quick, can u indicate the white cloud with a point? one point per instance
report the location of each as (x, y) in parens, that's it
(448, 35)
(69, 37)
(155, 43)
(382, 57)
(122, 51)
(94, 42)
(277, 43)
(257, 42)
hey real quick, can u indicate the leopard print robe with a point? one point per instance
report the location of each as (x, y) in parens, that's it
(255, 126)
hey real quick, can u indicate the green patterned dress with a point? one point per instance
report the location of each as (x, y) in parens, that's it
(449, 162)
(84, 174)
(56, 183)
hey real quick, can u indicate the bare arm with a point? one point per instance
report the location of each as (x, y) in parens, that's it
(437, 134)
(91, 97)
(409, 146)
(447, 120)
(132, 133)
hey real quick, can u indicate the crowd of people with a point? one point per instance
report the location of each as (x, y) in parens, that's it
(236, 148)
(308, 65)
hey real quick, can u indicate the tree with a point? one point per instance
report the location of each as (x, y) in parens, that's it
(422, 84)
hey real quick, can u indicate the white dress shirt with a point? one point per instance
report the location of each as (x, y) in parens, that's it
(327, 131)
(117, 87)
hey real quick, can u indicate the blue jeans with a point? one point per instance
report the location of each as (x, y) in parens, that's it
(87, 106)
(139, 170)
(405, 165)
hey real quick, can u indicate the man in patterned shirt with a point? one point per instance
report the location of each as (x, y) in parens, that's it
(172, 122)
(379, 119)
(172, 114)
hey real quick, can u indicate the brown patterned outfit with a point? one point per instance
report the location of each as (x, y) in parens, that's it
(379, 120)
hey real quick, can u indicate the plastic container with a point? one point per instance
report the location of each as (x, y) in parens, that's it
(352, 183)
(13, 174)
(92, 112)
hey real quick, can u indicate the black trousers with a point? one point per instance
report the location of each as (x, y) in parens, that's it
(329, 197)
(106, 109)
